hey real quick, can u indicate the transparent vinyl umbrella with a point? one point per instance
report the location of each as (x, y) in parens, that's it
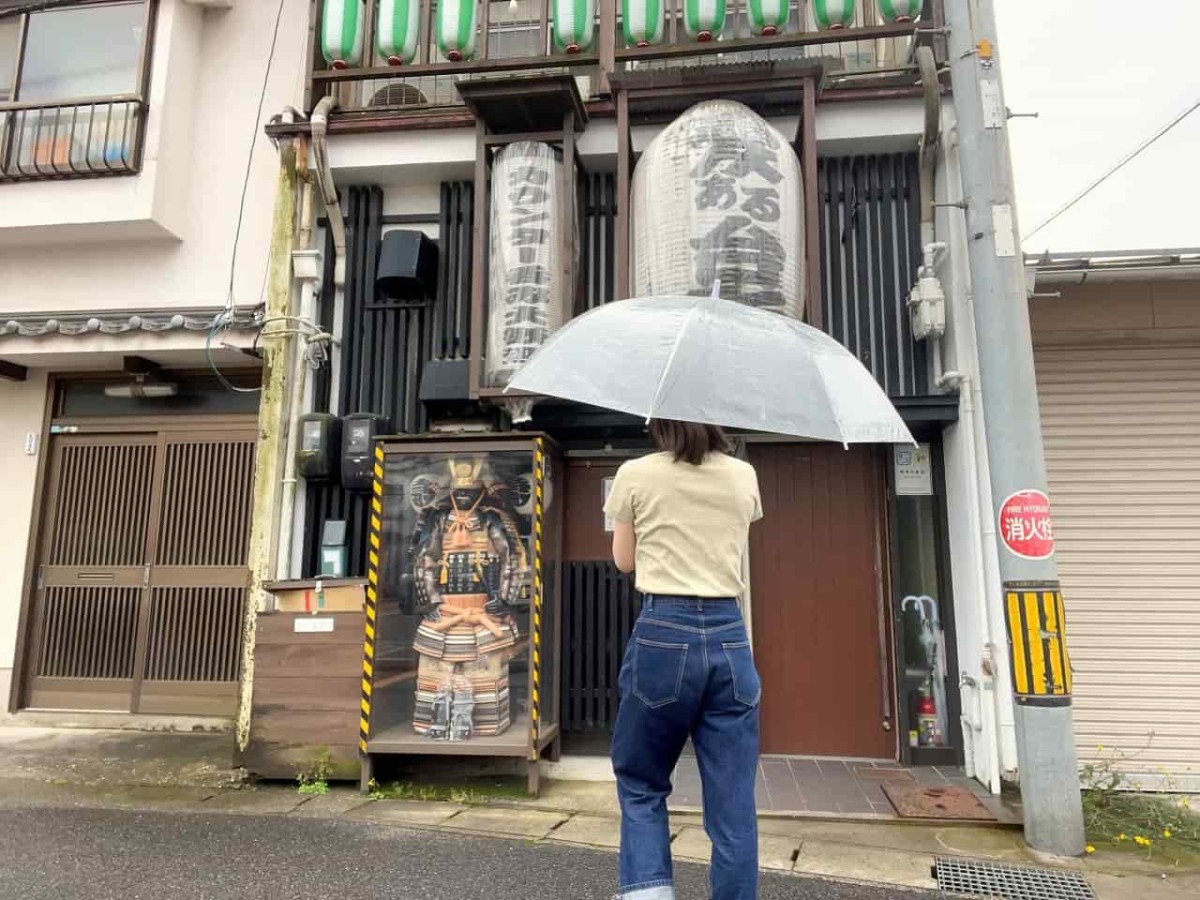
(703, 359)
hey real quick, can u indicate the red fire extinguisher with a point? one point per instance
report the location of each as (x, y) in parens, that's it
(928, 732)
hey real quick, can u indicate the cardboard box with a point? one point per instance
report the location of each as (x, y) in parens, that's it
(326, 595)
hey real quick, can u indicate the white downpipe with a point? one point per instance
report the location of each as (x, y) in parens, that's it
(987, 572)
(309, 283)
(319, 124)
(299, 375)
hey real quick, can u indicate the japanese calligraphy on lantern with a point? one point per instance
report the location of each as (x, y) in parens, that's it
(717, 197)
(525, 284)
(1025, 525)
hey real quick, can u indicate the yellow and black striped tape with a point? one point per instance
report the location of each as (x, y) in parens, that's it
(1037, 641)
(539, 465)
(368, 673)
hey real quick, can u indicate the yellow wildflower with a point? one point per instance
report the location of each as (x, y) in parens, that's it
(1122, 836)
(1100, 748)
(1090, 849)
(1166, 832)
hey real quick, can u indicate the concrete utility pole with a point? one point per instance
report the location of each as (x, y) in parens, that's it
(1041, 670)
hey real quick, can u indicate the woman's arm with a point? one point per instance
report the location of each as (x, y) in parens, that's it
(624, 546)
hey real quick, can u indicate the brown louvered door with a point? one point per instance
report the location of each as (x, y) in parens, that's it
(198, 577)
(93, 573)
(143, 576)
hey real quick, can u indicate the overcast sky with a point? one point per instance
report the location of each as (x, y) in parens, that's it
(1104, 75)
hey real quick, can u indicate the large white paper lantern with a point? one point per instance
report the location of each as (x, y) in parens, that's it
(526, 283)
(717, 196)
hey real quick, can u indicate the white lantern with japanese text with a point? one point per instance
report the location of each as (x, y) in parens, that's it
(717, 196)
(527, 285)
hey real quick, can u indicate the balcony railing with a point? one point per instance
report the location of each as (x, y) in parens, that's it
(517, 35)
(70, 140)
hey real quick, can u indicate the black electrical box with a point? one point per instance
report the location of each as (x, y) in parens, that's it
(358, 443)
(320, 447)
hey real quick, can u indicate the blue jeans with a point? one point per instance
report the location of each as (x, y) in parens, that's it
(687, 671)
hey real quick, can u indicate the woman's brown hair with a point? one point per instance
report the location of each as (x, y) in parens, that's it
(689, 441)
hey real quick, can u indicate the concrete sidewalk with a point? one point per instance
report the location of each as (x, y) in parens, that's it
(185, 773)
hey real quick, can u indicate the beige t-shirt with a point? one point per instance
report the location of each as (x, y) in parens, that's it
(691, 522)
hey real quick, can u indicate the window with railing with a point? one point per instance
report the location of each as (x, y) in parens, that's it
(72, 88)
(373, 61)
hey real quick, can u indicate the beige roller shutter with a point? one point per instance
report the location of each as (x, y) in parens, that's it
(1122, 435)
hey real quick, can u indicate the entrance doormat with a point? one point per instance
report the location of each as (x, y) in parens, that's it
(915, 801)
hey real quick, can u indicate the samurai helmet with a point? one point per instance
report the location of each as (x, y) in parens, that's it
(464, 473)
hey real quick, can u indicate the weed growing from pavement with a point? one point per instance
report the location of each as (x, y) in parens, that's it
(474, 792)
(315, 779)
(1118, 815)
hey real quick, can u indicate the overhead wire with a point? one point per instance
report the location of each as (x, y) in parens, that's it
(1116, 167)
(222, 321)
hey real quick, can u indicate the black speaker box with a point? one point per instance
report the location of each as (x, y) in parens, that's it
(407, 269)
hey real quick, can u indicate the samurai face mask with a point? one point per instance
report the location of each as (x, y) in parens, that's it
(466, 486)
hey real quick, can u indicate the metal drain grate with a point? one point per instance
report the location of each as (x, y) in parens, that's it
(988, 879)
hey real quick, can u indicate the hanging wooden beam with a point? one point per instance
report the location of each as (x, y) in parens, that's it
(812, 221)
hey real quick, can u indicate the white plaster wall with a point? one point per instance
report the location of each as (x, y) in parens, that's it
(206, 80)
(431, 155)
(21, 409)
(978, 603)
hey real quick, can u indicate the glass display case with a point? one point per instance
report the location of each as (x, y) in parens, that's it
(462, 632)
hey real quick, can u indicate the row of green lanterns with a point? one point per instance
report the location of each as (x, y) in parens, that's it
(398, 24)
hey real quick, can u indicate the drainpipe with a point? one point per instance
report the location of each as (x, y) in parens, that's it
(985, 562)
(307, 268)
(978, 500)
(932, 94)
(319, 122)
(986, 721)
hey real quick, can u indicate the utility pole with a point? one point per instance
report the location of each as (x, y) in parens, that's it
(1033, 600)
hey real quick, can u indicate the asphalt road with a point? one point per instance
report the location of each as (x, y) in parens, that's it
(70, 854)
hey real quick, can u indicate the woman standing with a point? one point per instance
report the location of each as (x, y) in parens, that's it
(682, 521)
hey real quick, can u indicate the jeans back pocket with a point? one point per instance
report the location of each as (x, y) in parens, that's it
(747, 688)
(658, 671)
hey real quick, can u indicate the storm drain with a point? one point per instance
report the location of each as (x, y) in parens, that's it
(988, 879)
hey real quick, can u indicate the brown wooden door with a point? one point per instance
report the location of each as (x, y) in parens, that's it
(820, 632)
(142, 577)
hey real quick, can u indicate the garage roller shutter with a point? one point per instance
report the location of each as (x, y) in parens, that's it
(1122, 436)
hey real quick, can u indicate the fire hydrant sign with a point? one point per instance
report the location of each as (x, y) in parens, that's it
(1025, 525)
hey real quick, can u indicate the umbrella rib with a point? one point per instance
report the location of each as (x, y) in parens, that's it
(662, 379)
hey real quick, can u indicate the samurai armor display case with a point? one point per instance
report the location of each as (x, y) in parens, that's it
(461, 654)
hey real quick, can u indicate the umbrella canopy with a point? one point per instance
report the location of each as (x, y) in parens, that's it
(708, 360)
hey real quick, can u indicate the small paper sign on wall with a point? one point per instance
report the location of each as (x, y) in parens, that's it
(313, 625)
(606, 489)
(913, 468)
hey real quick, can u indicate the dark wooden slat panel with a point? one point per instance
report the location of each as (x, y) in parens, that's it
(599, 609)
(870, 250)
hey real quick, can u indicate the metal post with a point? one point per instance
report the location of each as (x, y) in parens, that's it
(1041, 672)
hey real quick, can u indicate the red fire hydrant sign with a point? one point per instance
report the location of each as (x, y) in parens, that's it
(1025, 525)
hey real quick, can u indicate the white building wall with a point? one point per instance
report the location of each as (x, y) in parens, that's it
(164, 237)
(23, 405)
(156, 241)
(981, 636)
